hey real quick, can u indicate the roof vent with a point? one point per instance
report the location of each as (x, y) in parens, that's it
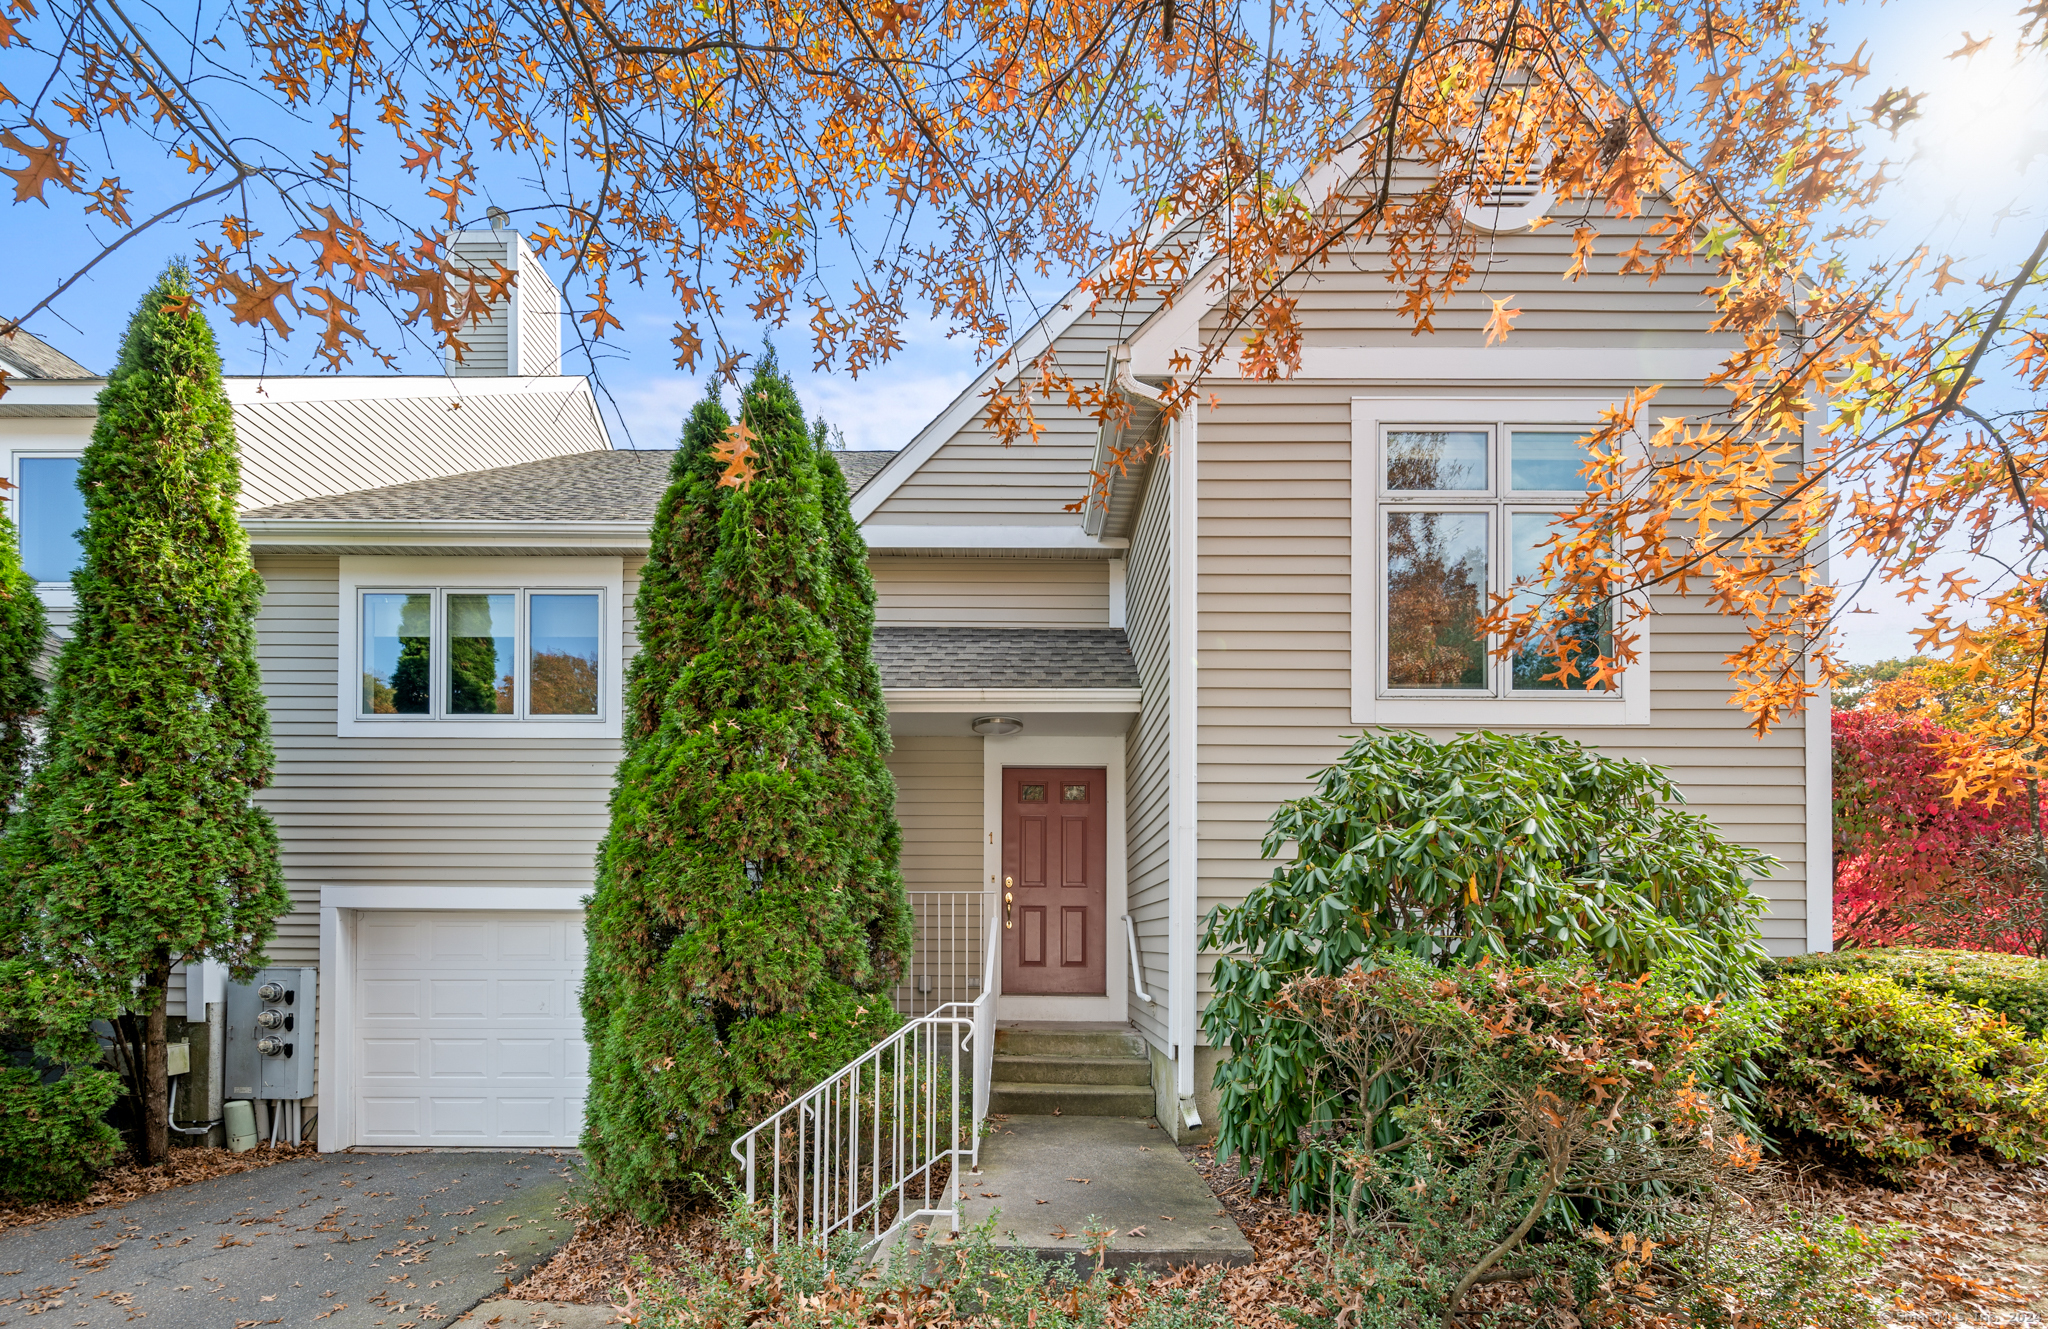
(1510, 198)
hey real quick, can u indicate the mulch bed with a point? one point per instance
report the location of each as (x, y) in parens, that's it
(127, 1180)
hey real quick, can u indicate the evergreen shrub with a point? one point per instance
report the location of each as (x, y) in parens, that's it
(749, 921)
(1522, 849)
(138, 845)
(1897, 1074)
(2015, 986)
(54, 1138)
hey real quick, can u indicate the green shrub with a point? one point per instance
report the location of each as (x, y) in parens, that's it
(1483, 1109)
(1896, 1074)
(1521, 848)
(53, 1137)
(2015, 986)
(1802, 1273)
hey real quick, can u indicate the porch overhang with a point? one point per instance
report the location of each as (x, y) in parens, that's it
(951, 712)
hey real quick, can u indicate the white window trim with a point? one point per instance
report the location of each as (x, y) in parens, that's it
(1629, 704)
(360, 573)
(53, 594)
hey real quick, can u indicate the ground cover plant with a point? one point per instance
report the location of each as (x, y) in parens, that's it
(749, 920)
(1515, 848)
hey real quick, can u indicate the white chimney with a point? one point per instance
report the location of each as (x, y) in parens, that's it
(523, 335)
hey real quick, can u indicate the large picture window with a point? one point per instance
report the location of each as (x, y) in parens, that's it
(451, 653)
(1456, 504)
(1466, 512)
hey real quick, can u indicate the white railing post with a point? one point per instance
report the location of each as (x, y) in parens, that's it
(935, 1113)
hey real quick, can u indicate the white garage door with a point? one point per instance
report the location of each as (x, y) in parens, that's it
(467, 1030)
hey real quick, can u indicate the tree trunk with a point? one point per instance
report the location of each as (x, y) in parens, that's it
(156, 1086)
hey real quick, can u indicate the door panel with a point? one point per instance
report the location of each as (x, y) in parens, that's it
(1055, 870)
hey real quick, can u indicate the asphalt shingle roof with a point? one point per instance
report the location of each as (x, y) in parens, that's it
(1004, 658)
(22, 352)
(622, 485)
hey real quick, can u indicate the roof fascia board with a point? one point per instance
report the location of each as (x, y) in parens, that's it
(1465, 365)
(259, 390)
(284, 532)
(882, 538)
(940, 701)
(75, 392)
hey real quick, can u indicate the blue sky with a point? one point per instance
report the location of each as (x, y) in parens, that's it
(1964, 163)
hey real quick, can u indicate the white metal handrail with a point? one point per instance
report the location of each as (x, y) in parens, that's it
(851, 1150)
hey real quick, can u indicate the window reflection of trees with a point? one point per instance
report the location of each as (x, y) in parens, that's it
(1436, 459)
(1436, 582)
(1582, 641)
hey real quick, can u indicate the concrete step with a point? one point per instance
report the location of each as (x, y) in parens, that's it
(1010, 1068)
(1026, 1099)
(1053, 1041)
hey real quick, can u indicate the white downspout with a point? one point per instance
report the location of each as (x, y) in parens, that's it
(1183, 843)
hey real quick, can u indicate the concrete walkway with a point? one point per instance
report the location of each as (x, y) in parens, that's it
(1044, 1178)
(351, 1241)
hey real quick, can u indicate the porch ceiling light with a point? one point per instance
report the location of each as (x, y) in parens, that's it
(996, 724)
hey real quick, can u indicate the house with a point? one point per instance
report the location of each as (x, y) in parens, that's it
(1164, 670)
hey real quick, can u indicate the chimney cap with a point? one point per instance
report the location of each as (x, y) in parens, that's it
(499, 218)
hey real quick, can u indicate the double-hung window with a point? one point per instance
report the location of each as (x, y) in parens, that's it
(1454, 504)
(489, 644)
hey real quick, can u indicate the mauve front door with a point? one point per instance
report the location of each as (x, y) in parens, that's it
(1055, 879)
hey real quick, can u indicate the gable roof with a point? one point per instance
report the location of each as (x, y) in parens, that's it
(24, 354)
(602, 486)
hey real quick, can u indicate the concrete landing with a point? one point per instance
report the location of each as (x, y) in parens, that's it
(1135, 1178)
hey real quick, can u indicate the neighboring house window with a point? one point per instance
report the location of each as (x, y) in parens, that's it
(457, 646)
(1453, 505)
(49, 514)
(447, 653)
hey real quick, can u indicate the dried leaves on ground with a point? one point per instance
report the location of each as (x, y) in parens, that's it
(128, 1180)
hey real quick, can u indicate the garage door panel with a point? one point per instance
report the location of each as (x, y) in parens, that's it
(380, 941)
(390, 1119)
(391, 1058)
(456, 943)
(389, 998)
(531, 1118)
(478, 1040)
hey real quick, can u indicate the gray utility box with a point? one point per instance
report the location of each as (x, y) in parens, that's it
(269, 1051)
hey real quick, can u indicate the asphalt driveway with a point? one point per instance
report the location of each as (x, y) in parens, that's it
(403, 1241)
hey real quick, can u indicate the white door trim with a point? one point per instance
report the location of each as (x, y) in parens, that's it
(340, 906)
(1059, 750)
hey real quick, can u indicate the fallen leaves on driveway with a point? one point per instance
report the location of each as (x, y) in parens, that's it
(127, 1181)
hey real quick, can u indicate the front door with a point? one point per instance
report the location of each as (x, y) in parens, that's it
(1055, 880)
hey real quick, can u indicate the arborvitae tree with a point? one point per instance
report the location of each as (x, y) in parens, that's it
(749, 920)
(138, 843)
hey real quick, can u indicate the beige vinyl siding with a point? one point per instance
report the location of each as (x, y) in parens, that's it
(410, 812)
(304, 449)
(540, 318)
(974, 476)
(484, 345)
(1275, 667)
(991, 592)
(938, 805)
(1148, 815)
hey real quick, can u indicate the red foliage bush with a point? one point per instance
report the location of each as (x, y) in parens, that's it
(1911, 864)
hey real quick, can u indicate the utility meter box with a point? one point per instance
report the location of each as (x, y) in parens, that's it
(269, 1052)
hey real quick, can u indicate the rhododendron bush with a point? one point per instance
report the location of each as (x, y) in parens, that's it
(1913, 863)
